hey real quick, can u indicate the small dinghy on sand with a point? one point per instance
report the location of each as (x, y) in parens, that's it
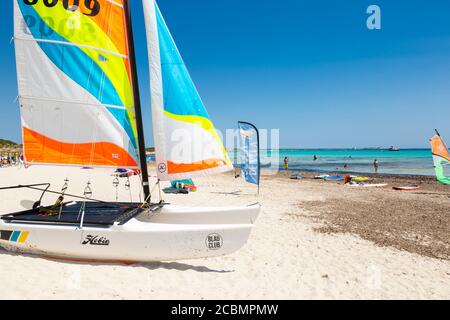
(80, 106)
(334, 178)
(406, 188)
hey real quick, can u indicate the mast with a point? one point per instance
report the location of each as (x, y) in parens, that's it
(137, 102)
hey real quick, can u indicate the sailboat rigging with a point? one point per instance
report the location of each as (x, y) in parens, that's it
(80, 106)
(137, 106)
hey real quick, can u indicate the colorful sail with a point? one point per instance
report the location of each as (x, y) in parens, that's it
(441, 158)
(249, 150)
(186, 141)
(75, 87)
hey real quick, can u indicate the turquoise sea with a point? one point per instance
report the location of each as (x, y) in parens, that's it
(403, 162)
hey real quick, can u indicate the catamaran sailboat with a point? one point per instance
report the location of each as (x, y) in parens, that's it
(80, 106)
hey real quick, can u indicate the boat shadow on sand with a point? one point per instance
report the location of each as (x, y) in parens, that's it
(178, 266)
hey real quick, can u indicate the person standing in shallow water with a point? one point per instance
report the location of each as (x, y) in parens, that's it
(286, 163)
(375, 165)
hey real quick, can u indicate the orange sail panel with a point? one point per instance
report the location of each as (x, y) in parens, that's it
(439, 148)
(75, 88)
(46, 150)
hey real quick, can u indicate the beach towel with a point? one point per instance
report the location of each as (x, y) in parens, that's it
(175, 191)
(186, 182)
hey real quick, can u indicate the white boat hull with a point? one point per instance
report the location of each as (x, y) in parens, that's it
(172, 233)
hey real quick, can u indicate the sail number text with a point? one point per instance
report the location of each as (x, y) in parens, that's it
(71, 5)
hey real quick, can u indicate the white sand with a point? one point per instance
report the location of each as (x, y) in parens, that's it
(284, 259)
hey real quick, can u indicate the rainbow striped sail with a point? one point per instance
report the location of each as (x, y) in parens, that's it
(75, 84)
(187, 143)
(441, 158)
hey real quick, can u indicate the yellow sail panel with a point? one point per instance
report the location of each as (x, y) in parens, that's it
(75, 85)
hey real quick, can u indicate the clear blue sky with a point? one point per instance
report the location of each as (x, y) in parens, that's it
(310, 68)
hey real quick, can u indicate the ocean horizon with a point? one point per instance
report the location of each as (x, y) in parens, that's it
(413, 161)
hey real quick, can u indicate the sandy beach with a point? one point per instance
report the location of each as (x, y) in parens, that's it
(314, 240)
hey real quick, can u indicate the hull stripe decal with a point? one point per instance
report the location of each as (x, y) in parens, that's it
(15, 236)
(23, 236)
(5, 235)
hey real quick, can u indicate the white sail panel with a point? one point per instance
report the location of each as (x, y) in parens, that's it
(187, 143)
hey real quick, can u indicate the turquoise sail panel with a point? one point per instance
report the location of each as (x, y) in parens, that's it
(180, 94)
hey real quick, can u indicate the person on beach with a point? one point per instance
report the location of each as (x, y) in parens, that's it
(375, 165)
(315, 158)
(286, 163)
(347, 179)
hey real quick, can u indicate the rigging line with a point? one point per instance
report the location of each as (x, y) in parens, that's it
(87, 195)
(115, 3)
(63, 192)
(102, 84)
(151, 192)
(125, 137)
(72, 44)
(102, 90)
(140, 189)
(108, 18)
(82, 213)
(160, 191)
(87, 103)
(116, 184)
(93, 145)
(105, 16)
(51, 191)
(128, 187)
(86, 95)
(110, 24)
